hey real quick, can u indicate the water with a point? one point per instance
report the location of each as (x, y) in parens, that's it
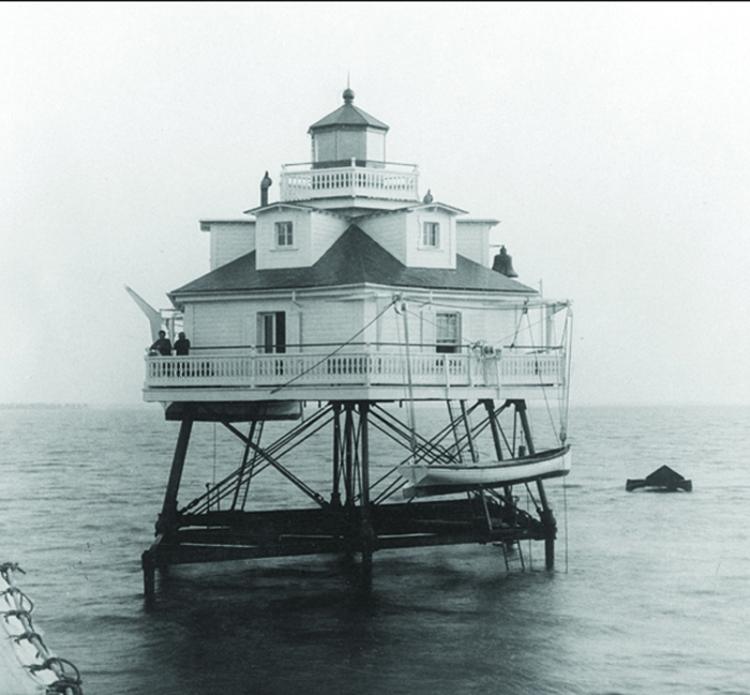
(655, 599)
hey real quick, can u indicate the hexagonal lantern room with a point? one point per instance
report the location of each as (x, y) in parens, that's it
(352, 292)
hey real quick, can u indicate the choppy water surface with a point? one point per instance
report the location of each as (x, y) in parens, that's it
(655, 599)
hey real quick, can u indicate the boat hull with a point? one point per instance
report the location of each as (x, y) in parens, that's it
(446, 479)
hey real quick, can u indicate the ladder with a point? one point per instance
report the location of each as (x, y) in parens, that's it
(512, 554)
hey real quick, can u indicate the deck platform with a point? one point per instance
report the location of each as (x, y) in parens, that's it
(361, 375)
(235, 535)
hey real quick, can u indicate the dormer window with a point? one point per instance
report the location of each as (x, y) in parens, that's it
(431, 235)
(284, 235)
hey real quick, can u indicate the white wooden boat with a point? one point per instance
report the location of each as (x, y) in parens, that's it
(439, 479)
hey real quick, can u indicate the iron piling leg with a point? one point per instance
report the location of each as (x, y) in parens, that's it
(168, 517)
(348, 455)
(348, 462)
(490, 408)
(367, 533)
(166, 524)
(469, 434)
(545, 515)
(550, 527)
(149, 574)
(335, 494)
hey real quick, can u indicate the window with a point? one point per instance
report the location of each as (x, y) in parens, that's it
(284, 235)
(448, 332)
(431, 235)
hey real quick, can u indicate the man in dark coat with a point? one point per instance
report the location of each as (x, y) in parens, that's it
(181, 345)
(162, 344)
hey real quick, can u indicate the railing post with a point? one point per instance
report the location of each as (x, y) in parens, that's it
(252, 371)
(499, 372)
(561, 367)
(447, 375)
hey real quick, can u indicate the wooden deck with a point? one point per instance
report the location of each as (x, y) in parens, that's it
(246, 376)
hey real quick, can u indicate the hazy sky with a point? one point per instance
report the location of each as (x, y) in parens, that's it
(611, 140)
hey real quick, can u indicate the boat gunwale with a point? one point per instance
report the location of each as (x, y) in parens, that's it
(541, 457)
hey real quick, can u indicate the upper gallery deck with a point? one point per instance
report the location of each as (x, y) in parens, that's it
(354, 179)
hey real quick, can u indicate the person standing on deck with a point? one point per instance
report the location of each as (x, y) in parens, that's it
(181, 345)
(162, 344)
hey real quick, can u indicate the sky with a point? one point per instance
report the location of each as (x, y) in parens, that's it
(611, 140)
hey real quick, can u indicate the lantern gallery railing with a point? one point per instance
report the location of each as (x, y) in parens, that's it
(254, 370)
(394, 181)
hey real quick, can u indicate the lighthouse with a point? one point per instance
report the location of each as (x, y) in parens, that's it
(341, 295)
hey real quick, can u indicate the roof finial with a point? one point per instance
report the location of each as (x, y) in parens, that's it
(348, 92)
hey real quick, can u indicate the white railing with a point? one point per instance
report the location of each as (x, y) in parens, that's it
(252, 370)
(536, 368)
(394, 181)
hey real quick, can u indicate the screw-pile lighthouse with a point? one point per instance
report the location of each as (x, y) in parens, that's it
(353, 292)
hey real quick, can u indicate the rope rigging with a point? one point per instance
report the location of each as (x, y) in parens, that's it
(409, 384)
(334, 352)
(468, 342)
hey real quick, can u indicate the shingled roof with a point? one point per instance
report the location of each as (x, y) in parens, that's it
(354, 259)
(348, 115)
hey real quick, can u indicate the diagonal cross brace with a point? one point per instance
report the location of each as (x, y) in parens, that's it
(304, 487)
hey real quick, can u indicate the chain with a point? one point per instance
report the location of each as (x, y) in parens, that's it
(56, 675)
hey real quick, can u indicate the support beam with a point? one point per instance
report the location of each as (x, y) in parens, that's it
(545, 515)
(469, 434)
(367, 532)
(148, 564)
(304, 487)
(335, 492)
(355, 520)
(243, 465)
(550, 527)
(348, 455)
(490, 408)
(456, 441)
(168, 517)
(521, 410)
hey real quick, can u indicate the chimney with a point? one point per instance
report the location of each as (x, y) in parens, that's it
(265, 184)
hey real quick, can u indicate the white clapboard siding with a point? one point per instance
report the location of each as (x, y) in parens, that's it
(336, 319)
(331, 321)
(220, 323)
(473, 240)
(230, 240)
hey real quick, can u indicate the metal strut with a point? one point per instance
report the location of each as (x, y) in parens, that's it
(300, 484)
(354, 518)
(545, 515)
(278, 448)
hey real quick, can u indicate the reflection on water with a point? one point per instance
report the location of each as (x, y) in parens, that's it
(655, 598)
